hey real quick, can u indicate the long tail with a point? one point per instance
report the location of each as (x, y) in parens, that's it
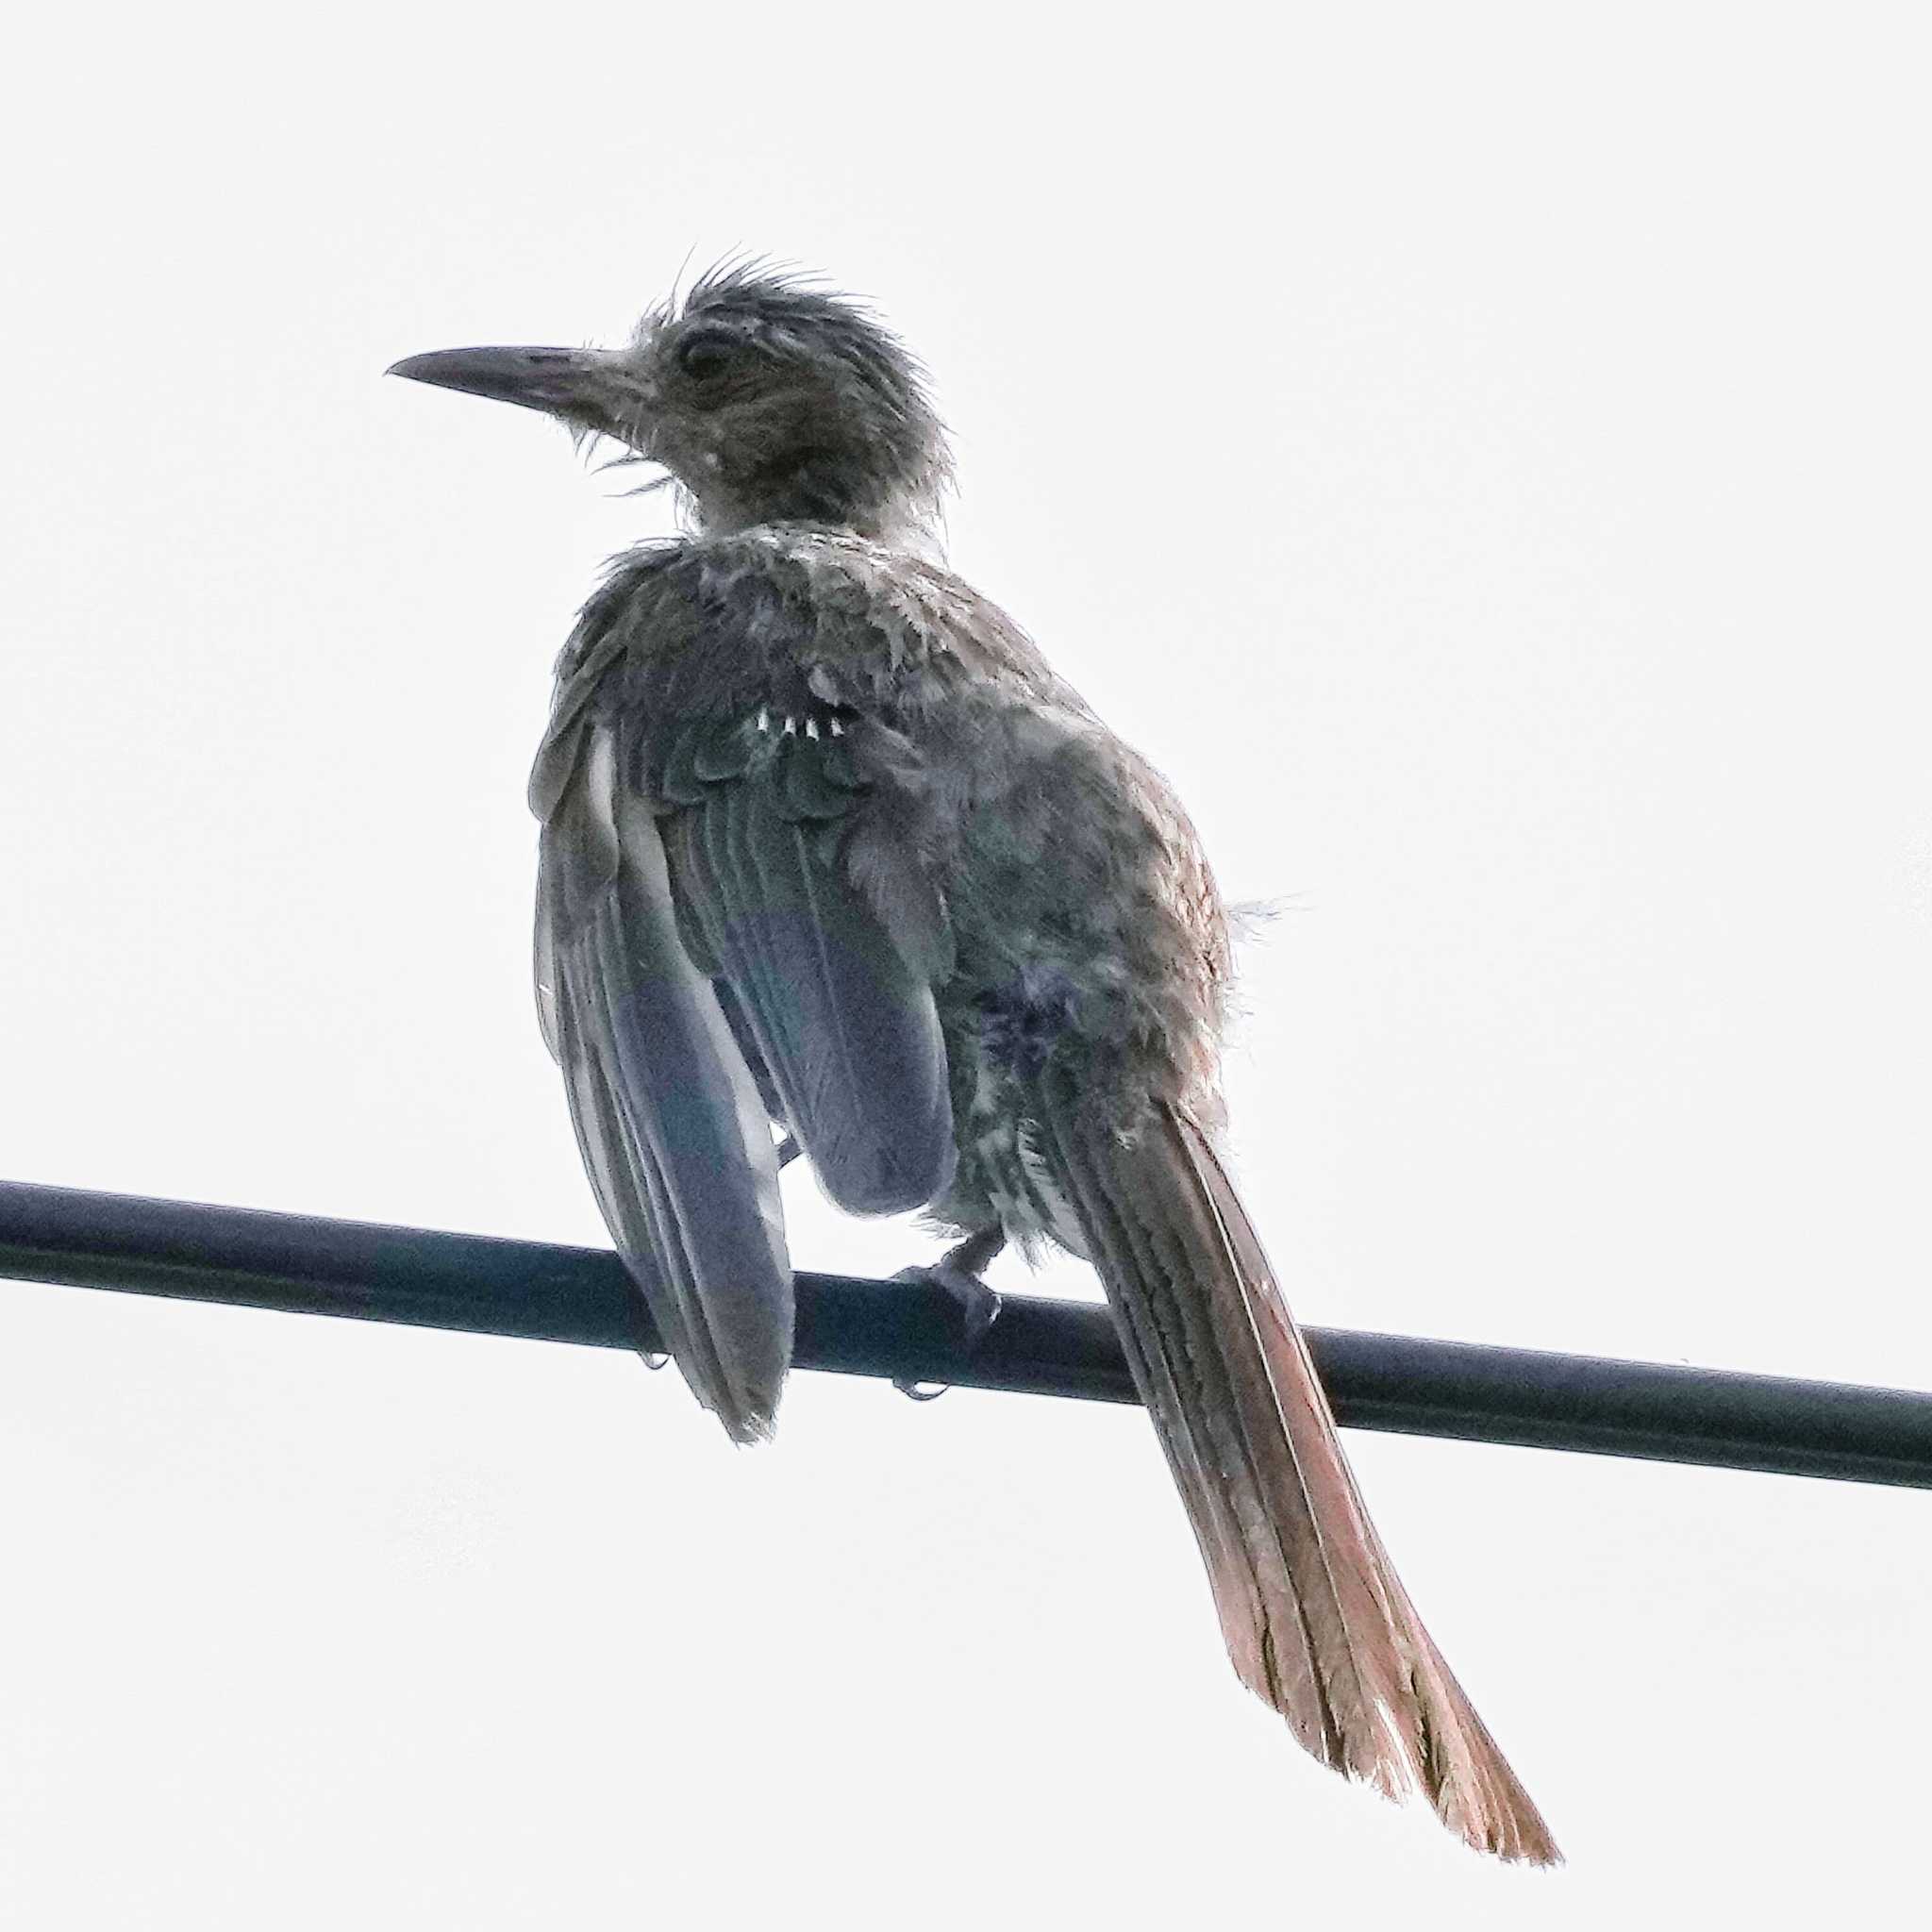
(1316, 1620)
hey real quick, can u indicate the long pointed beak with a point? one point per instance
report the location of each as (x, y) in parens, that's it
(587, 386)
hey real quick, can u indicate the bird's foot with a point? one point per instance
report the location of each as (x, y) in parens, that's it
(957, 1273)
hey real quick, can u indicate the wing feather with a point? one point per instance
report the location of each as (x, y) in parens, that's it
(667, 1112)
(843, 1016)
(732, 927)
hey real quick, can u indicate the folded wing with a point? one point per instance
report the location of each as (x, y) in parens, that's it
(729, 930)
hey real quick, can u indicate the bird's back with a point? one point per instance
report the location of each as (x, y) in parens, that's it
(1081, 920)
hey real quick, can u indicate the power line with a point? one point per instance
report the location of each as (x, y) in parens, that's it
(542, 1292)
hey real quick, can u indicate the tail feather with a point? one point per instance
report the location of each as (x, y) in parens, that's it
(1316, 1620)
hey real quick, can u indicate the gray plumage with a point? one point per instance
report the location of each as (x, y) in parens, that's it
(827, 843)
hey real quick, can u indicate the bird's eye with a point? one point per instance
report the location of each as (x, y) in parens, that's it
(707, 356)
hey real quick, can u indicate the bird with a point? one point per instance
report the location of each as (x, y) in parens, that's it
(832, 861)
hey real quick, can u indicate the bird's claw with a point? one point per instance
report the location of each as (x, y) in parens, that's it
(921, 1391)
(978, 1305)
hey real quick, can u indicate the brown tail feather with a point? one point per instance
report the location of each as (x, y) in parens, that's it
(1316, 1620)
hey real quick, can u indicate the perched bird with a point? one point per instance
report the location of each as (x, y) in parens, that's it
(827, 845)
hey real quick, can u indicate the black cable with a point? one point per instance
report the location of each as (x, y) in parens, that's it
(530, 1288)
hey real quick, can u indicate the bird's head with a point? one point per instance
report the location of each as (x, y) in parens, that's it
(767, 398)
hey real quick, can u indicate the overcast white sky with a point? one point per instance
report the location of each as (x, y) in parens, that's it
(1480, 455)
